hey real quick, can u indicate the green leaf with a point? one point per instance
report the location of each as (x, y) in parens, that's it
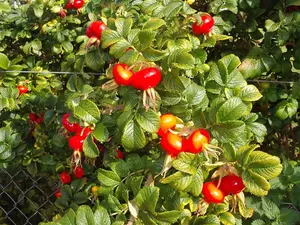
(80, 198)
(271, 210)
(250, 93)
(119, 48)
(101, 216)
(4, 61)
(289, 216)
(178, 180)
(255, 183)
(148, 120)
(296, 90)
(77, 185)
(182, 60)
(90, 149)
(69, 218)
(173, 83)
(133, 137)
(67, 46)
(38, 10)
(4, 7)
(232, 109)
(123, 26)
(87, 111)
(228, 131)
(146, 37)
(286, 109)
(109, 37)
(227, 218)
(186, 162)
(172, 9)
(153, 54)
(108, 178)
(84, 215)
(124, 118)
(101, 132)
(120, 167)
(114, 203)
(168, 216)
(295, 196)
(271, 26)
(195, 187)
(129, 57)
(196, 95)
(147, 198)
(243, 154)
(264, 164)
(154, 24)
(207, 220)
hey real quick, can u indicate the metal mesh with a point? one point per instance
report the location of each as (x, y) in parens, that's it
(26, 199)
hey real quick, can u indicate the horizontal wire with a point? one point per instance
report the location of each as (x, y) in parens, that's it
(49, 72)
(102, 74)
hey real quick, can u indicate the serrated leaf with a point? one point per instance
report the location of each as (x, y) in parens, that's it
(172, 9)
(69, 218)
(4, 7)
(264, 164)
(182, 60)
(90, 148)
(87, 111)
(227, 218)
(271, 26)
(173, 83)
(146, 37)
(186, 162)
(228, 131)
(101, 132)
(232, 109)
(243, 153)
(108, 178)
(168, 216)
(147, 198)
(84, 215)
(207, 220)
(250, 93)
(178, 180)
(119, 48)
(148, 120)
(195, 187)
(4, 61)
(101, 216)
(296, 90)
(271, 210)
(153, 54)
(154, 24)
(123, 26)
(129, 57)
(133, 137)
(114, 203)
(255, 183)
(109, 37)
(289, 216)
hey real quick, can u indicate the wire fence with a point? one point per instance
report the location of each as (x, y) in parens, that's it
(26, 199)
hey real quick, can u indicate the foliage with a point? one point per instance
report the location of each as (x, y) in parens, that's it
(205, 83)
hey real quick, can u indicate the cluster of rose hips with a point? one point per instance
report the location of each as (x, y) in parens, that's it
(71, 4)
(66, 178)
(216, 191)
(173, 143)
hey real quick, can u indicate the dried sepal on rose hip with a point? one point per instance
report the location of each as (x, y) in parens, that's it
(94, 33)
(199, 141)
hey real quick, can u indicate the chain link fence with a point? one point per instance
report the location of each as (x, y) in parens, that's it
(26, 199)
